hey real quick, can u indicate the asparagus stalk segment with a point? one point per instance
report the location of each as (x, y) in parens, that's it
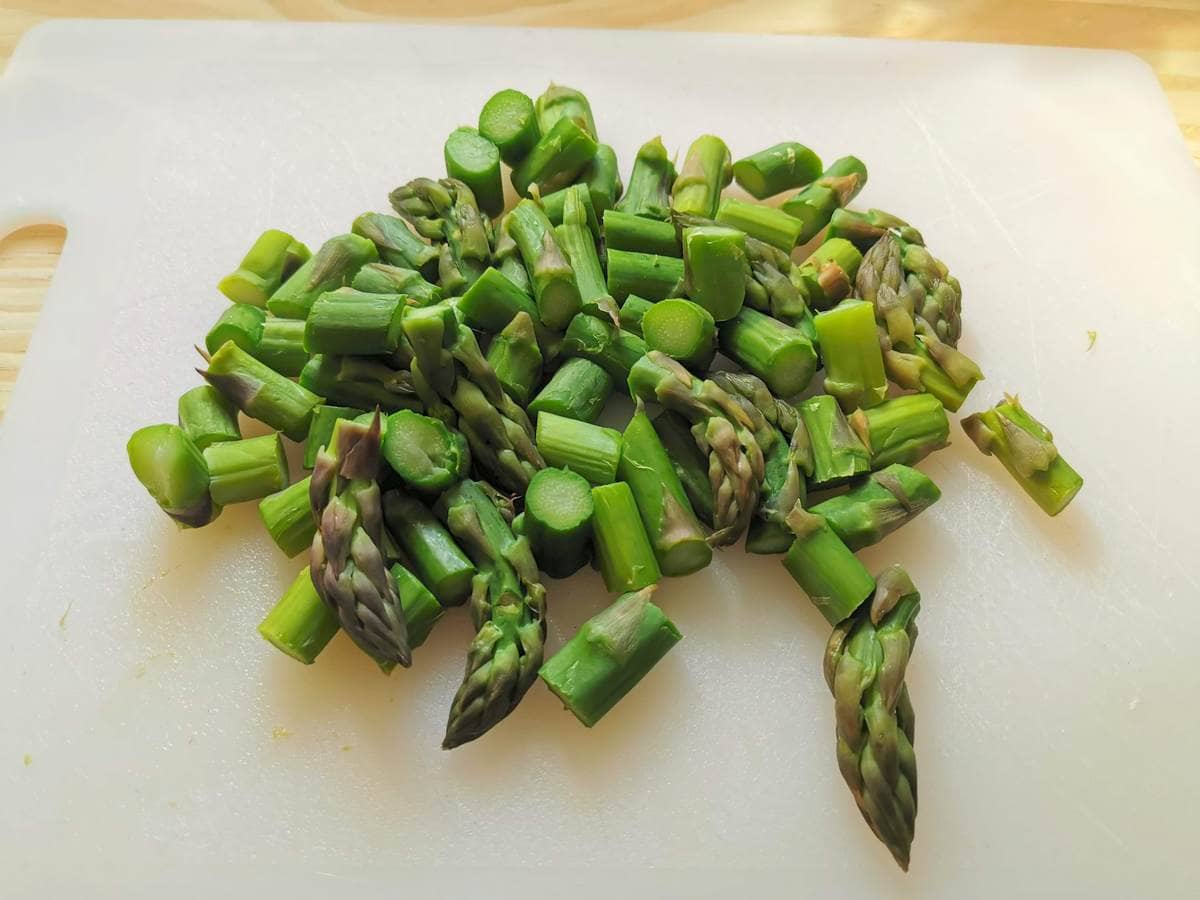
(863, 229)
(854, 372)
(300, 624)
(591, 450)
(624, 554)
(351, 322)
(248, 469)
(828, 274)
(561, 102)
(707, 170)
(380, 278)
(174, 472)
(633, 311)
(870, 511)
(690, 465)
(578, 390)
(825, 568)
(837, 452)
(240, 323)
(865, 663)
(421, 608)
(777, 353)
(683, 330)
(639, 234)
(766, 223)
(396, 244)
(921, 371)
(436, 558)
(609, 655)
(902, 430)
(780, 168)
(206, 417)
(509, 121)
(554, 285)
(560, 154)
(716, 269)
(579, 244)
(261, 392)
(554, 205)
(491, 302)
(273, 257)
(603, 179)
(604, 344)
(475, 161)
(1026, 449)
(649, 191)
(287, 515)
(425, 453)
(558, 521)
(332, 266)
(360, 382)
(281, 346)
(647, 275)
(816, 204)
(516, 359)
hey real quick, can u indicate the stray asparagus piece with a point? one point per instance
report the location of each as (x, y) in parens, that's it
(271, 259)
(624, 554)
(716, 269)
(578, 390)
(396, 245)
(647, 275)
(678, 540)
(828, 274)
(558, 521)
(334, 265)
(261, 392)
(816, 204)
(873, 509)
(579, 245)
(902, 430)
(777, 353)
(633, 311)
(248, 469)
(516, 359)
(639, 234)
(706, 172)
(766, 223)
(207, 418)
(683, 330)
(649, 191)
(604, 344)
(426, 454)
(491, 302)
(835, 581)
(943, 371)
(690, 465)
(591, 450)
(780, 168)
(300, 624)
(287, 515)
(1026, 449)
(475, 161)
(240, 323)
(837, 452)
(609, 655)
(865, 663)
(553, 279)
(380, 278)
(446, 212)
(174, 472)
(509, 121)
(560, 154)
(854, 371)
(436, 559)
(561, 102)
(360, 382)
(863, 229)
(351, 322)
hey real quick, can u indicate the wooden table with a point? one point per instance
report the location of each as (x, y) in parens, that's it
(1165, 33)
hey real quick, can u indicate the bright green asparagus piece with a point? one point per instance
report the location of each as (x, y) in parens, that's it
(603, 179)
(174, 472)
(650, 182)
(854, 372)
(559, 155)
(248, 469)
(609, 655)
(691, 466)
(604, 344)
(881, 503)
(827, 570)
(360, 382)
(578, 390)
(863, 229)
(633, 311)
(766, 223)
(434, 555)
(516, 358)
(828, 274)
(558, 521)
(475, 161)
(645, 274)
(561, 102)
(351, 322)
(624, 553)
(716, 269)
(639, 234)
(207, 418)
(287, 515)
(396, 245)
(902, 430)
(300, 624)
(261, 392)
(491, 302)
(683, 330)
(421, 608)
(579, 245)
(591, 450)
(837, 452)
(777, 353)
(271, 259)
(816, 204)
(944, 371)
(381, 278)
(553, 279)
(706, 172)
(447, 213)
(281, 346)
(554, 204)
(509, 121)
(780, 168)
(1026, 449)
(427, 455)
(240, 323)
(334, 265)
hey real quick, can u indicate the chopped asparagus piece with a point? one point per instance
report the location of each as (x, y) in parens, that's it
(777, 353)
(835, 581)
(578, 390)
(863, 229)
(435, 556)
(579, 245)
(508, 120)
(553, 205)
(950, 375)
(300, 624)
(334, 265)
(240, 323)
(623, 552)
(554, 286)
(248, 469)
(474, 160)
(421, 608)
(174, 472)
(288, 517)
(446, 212)
(261, 392)
(766, 223)
(491, 302)
(639, 234)
(560, 154)
(206, 417)
(633, 311)
(780, 168)
(873, 509)
(591, 450)
(828, 274)
(816, 204)
(360, 382)
(902, 430)
(649, 276)
(691, 467)
(649, 191)
(838, 454)
(854, 371)
(683, 330)
(381, 278)
(271, 259)
(603, 179)
(426, 454)
(716, 269)
(516, 358)
(558, 521)
(706, 172)
(603, 343)
(396, 244)
(320, 429)
(351, 322)
(281, 346)
(561, 102)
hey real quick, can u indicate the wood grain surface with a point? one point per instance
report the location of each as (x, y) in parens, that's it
(1165, 33)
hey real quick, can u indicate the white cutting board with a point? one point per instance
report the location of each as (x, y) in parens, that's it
(152, 741)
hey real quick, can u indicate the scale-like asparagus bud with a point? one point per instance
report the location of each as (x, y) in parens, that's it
(396, 244)
(338, 260)
(864, 229)
(446, 211)
(870, 511)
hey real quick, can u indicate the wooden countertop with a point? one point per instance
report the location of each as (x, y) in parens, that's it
(1165, 33)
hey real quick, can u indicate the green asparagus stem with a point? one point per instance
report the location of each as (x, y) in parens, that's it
(206, 417)
(649, 192)
(873, 509)
(850, 348)
(240, 323)
(300, 624)
(553, 279)
(491, 302)
(716, 269)
(639, 234)
(675, 533)
(508, 120)
(437, 560)
(247, 469)
(766, 223)
(949, 376)
(421, 608)
(558, 521)
(683, 330)
(863, 229)
(272, 258)
(446, 212)
(777, 353)
(351, 322)
(835, 581)
(816, 204)
(260, 392)
(360, 382)
(320, 429)
(603, 179)
(561, 102)
(554, 204)
(592, 451)
(649, 276)
(624, 554)
(706, 172)
(287, 515)
(579, 245)
(281, 346)
(396, 245)
(604, 344)
(475, 161)
(633, 310)
(609, 655)
(508, 607)
(560, 154)
(174, 472)
(380, 278)
(516, 359)
(902, 430)
(780, 168)
(838, 454)
(334, 265)
(426, 454)
(827, 276)
(578, 390)
(691, 466)
(1026, 449)
(865, 663)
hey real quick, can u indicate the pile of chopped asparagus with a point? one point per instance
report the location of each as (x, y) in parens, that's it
(444, 369)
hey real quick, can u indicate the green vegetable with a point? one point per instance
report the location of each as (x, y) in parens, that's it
(877, 506)
(649, 276)
(332, 266)
(559, 102)
(554, 286)
(261, 392)
(690, 465)
(516, 359)
(716, 269)
(623, 552)
(475, 161)
(559, 155)
(281, 346)
(360, 381)
(206, 417)
(902, 430)
(816, 204)
(604, 344)
(288, 517)
(240, 323)
(592, 451)
(271, 259)
(247, 469)
(380, 278)
(837, 452)
(434, 555)
(578, 390)
(300, 624)
(426, 454)
(558, 521)
(633, 311)
(447, 213)
(174, 472)
(683, 330)
(351, 322)
(766, 223)
(579, 245)
(706, 172)
(492, 301)
(854, 371)
(777, 169)
(396, 245)
(777, 353)
(508, 120)
(835, 581)
(650, 182)
(639, 234)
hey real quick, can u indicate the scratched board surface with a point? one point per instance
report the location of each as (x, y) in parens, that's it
(152, 741)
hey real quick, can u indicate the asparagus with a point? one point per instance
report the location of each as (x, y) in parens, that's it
(603, 179)
(553, 279)
(592, 451)
(863, 229)
(825, 568)
(558, 521)
(816, 204)
(633, 311)
(609, 655)
(421, 608)
(579, 245)
(300, 624)
(690, 465)
(248, 469)
(426, 454)
(777, 169)
(723, 430)
(320, 429)
(604, 344)
(435, 557)
(766, 223)
(578, 390)
(206, 417)
(561, 102)
(683, 330)
(351, 322)
(559, 155)
(902, 430)
(554, 204)
(649, 191)
(777, 353)
(508, 120)
(475, 161)
(675, 533)
(773, 285)
(639, 234)
(360, 382)
(260, 392)
(240, 323)
(508, 607)
(828, 274)
(624, 554)
(287, 516)
(446, 212)
(396, 245)
(174, 472)
(347, 561)
(706, 172)
(873, 509)
(516, 359)
(271, 259)
(837, 452)
(491, 302)
(1026, 449)
(332, 266)
(937, 295)
(281, 346)
(943, 371)
(380, 278)
(854, 371)
(715, 268)
(865, 663)
(647, 275)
